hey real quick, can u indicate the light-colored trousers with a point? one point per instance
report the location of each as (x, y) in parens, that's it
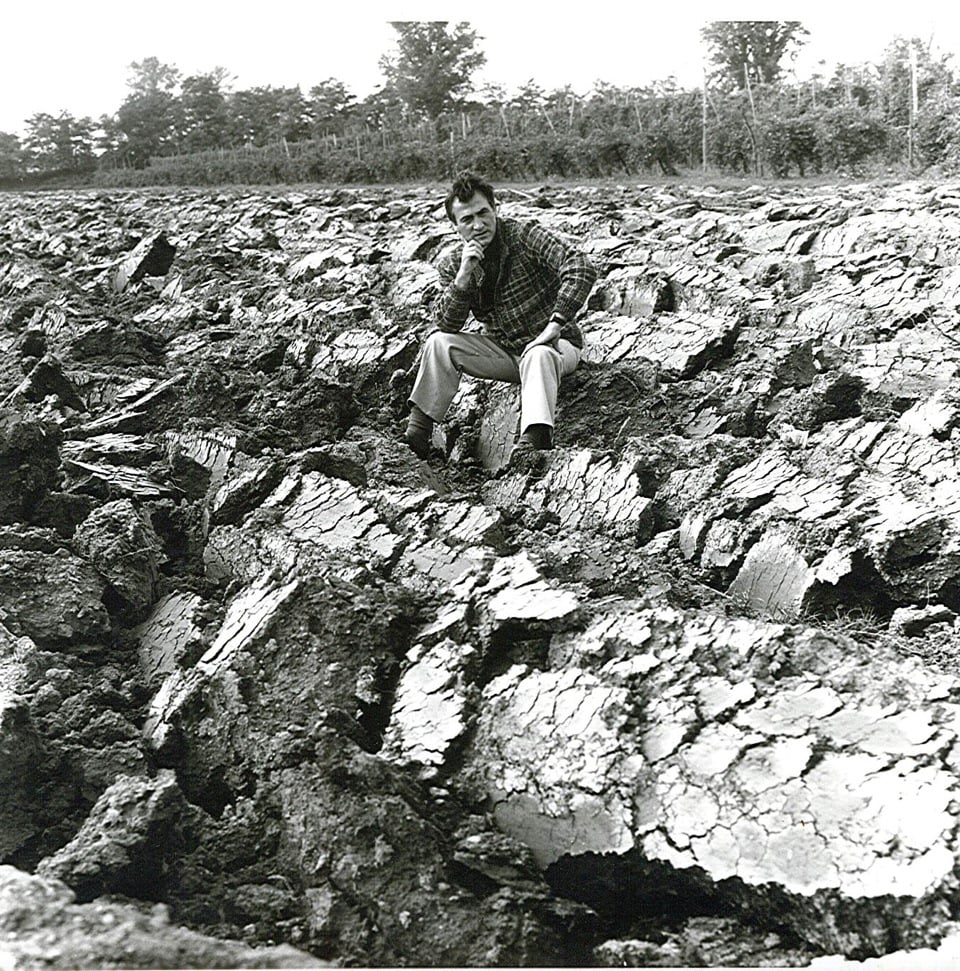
(538, 372)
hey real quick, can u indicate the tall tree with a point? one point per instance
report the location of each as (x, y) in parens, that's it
(109, 140)
(59, 142)
(751, 49)
(204, 111)
(149, 119)
(900, 59)
(330, 104)
(381, 107)
(151, 76)
(11, 156)
(525, 108)
(432, 65)
(267, 114)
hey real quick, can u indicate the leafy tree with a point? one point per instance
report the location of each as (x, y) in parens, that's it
(381, 106)
(529, 96)
(204, 111)
(751, 48)
(11, 156)
(330, 105)
(149, 120)
(849, 85)
(847, 136)
(266, 114)
(790, 139)
(491, 117)
(895, 81)
(432, 65)
(938, 131)
(729, 143)
(109, 140)
(247, 117)
(561, 105)
(292, 119)
(150, 76)
(526, 109)
(59, 142)
(609, 107)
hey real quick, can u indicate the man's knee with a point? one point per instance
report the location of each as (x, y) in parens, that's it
(440, 341)
(437, 347)
(542, 357)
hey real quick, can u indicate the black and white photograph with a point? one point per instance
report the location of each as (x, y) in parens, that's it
(479, 486)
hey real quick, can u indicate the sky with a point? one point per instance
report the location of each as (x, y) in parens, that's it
(75, 56)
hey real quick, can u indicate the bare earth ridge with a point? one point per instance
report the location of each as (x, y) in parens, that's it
(682, 691)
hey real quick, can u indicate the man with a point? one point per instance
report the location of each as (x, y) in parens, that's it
(525, 285)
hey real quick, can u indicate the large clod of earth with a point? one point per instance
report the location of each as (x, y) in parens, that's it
(682, 691)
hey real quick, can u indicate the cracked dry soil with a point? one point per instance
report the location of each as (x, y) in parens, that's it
(682, 691)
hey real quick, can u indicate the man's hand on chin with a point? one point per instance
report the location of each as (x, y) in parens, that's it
(470, 259)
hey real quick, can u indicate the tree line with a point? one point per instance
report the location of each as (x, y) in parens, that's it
(749, 117)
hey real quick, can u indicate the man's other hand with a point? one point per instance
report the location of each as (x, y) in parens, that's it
(550, 335)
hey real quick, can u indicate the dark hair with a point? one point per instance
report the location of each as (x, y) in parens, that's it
(463, 188)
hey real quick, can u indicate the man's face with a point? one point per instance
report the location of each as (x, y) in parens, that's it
(475, 219)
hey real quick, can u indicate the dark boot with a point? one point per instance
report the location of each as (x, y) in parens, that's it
(419, 432)
(539, 437)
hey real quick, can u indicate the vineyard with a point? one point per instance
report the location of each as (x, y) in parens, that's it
(896, 117)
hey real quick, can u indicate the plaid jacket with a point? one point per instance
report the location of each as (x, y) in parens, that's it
(540, 276)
